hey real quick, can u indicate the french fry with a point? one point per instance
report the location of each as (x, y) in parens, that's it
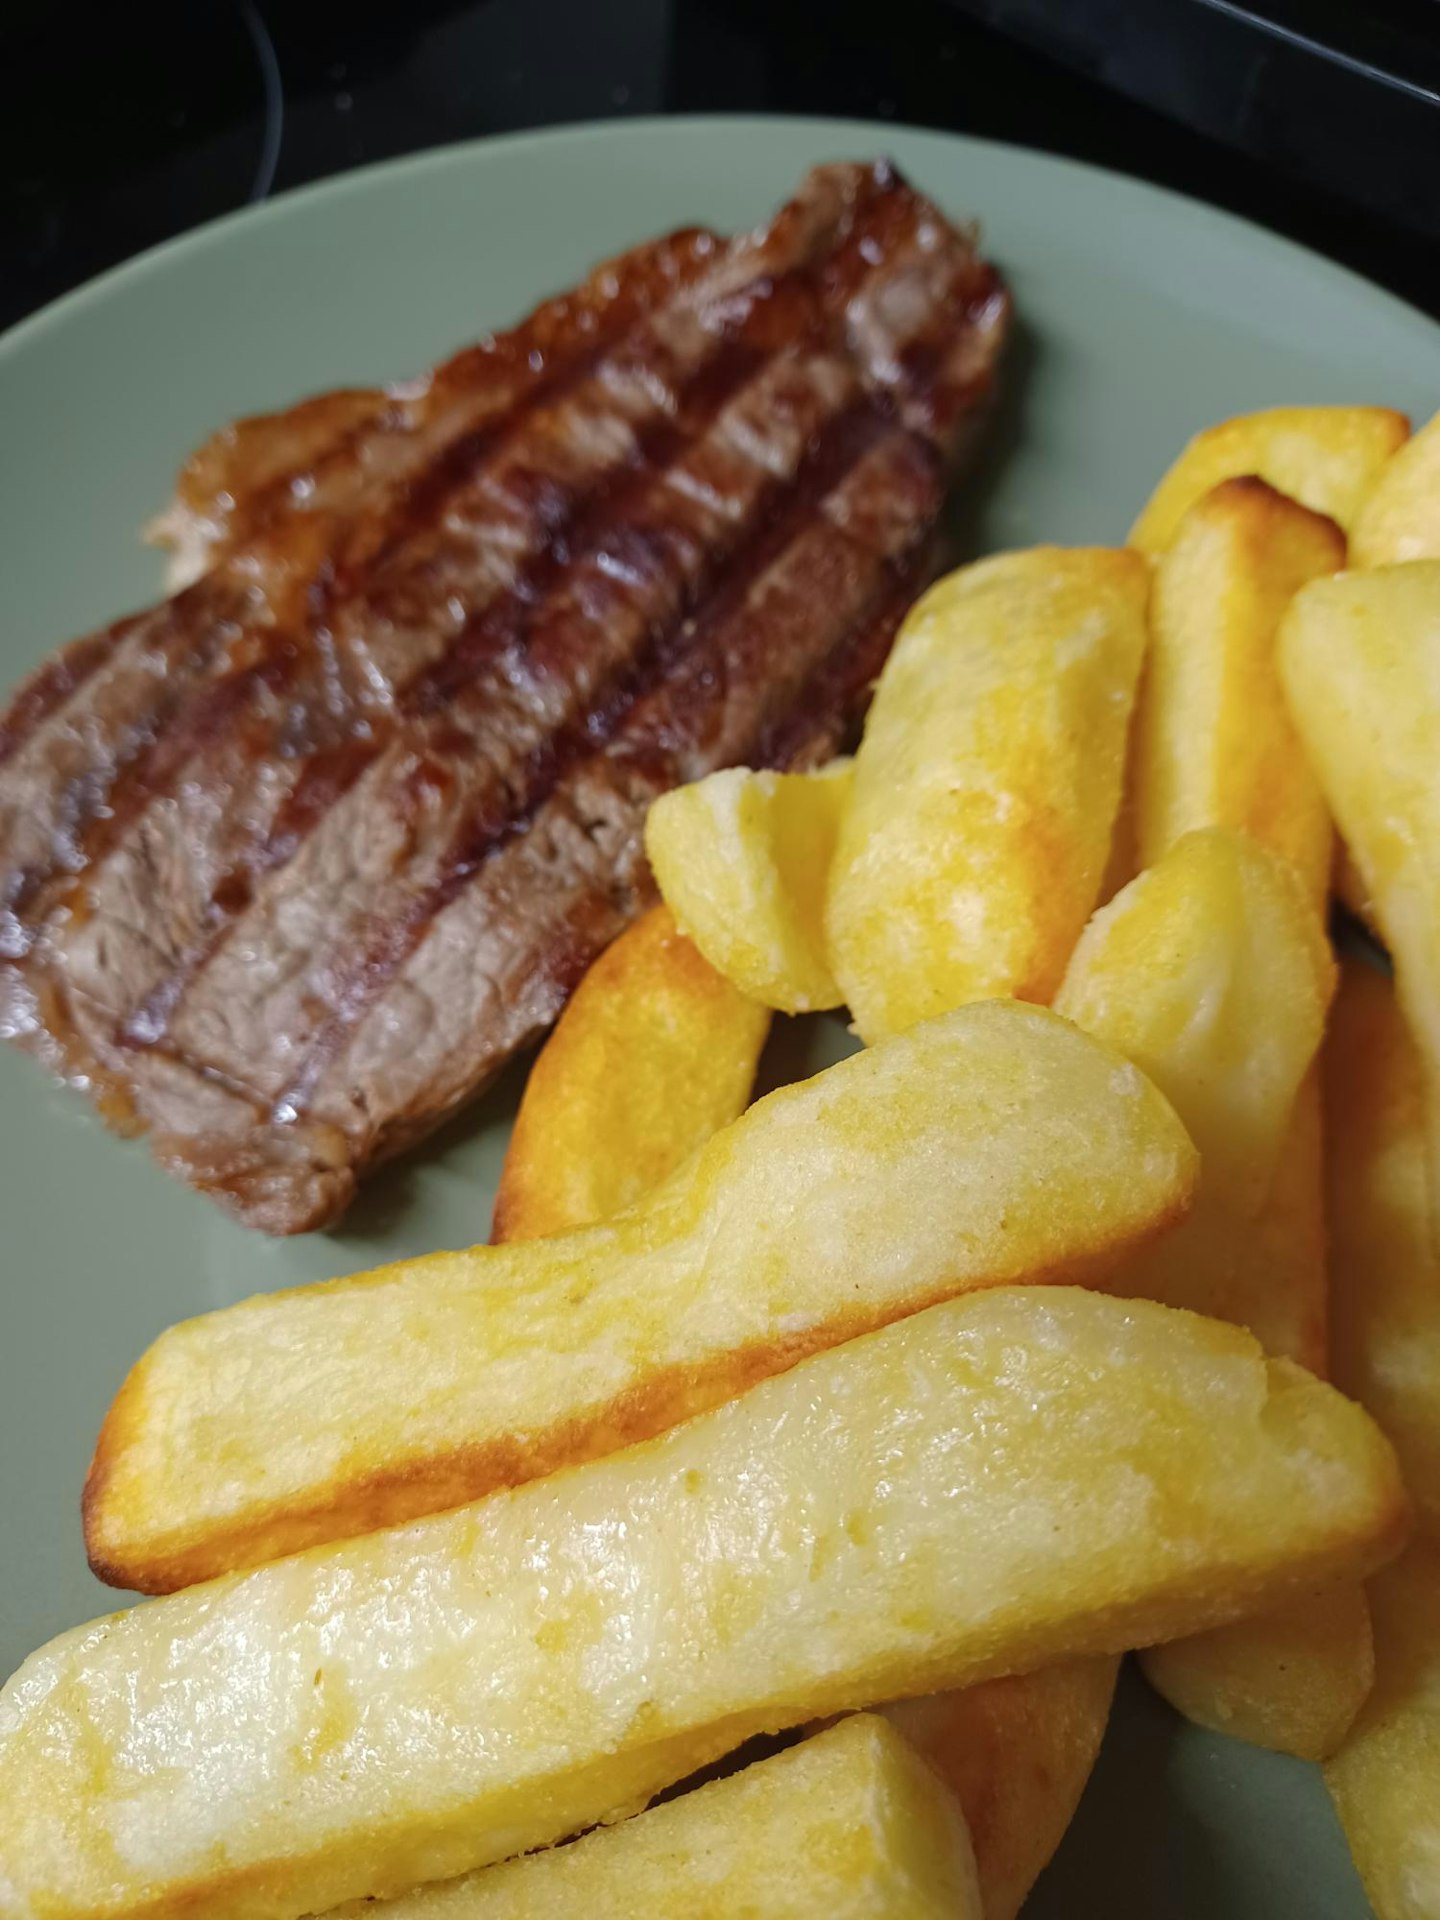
(998, 1145)
(654, 1053)
(742, 860)
(1123, 862)
(1212, 971)
(1385, 1276)
(1400, 517)
(1214, 743)
(1385, 1780)
(987, 785)
(1293, 1679)
(1281, 1264)
(848, 1823)
(1360, 659)
(1017, 1753)
(1327, 458)
(1013, 1478)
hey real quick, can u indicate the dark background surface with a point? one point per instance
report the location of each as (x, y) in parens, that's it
(125, 126)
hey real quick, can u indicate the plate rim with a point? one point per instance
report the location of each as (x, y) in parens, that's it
(357, 180)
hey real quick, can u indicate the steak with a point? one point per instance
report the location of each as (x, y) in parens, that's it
(293, 862)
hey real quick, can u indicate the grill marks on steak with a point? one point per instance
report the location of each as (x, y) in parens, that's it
(324, 839)
(435, 800)
(643, 738)
(253, 626)
(534, 513)
(458, 526)
(467, 731)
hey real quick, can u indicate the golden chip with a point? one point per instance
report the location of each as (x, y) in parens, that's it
(1360, 658)
(653, 1054)
(987, 785)
(1400, 518)
(1009, 1479)
(1327, 458)
(997, 1145)
(1214, 742)
(743, 859)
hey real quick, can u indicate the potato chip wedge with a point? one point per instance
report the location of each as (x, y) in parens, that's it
(1214, 742)
(1281, 1265)
(1017, 1753)
(987, 785)
(1327, 458)
(1360, 659)
(1123, 861)
(1293, 1679)
(1385, 1780)
(653, 1054)
(1400, 517)
(1213, 971)
(850, 1823)
(1384, 1271)
(998, 1145)
(742, 859)
(1013, 1478)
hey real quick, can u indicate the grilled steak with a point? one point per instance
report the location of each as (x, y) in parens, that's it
(293, 862)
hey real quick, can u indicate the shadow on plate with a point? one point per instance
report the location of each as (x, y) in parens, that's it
(963, 526)
(470, 1144)
(1181, 1824)
(799, 1046)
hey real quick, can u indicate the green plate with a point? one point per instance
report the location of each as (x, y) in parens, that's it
(1143, 317)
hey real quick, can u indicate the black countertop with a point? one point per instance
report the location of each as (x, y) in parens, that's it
(126, 126)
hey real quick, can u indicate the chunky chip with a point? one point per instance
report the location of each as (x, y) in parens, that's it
(1360, 658)
(1281, 1265)
(1385, 1780)
(1017, 1477)
(997, 1145)
(1212, 971)
(1123, 861)
(742, 859)
(1384, 1272)
(1400, 517)
(1017, 1753)
(1214, 742)
(987, 785)
(1292, 1679)
(1327, 458)
(851, 1823)
(654, 1053)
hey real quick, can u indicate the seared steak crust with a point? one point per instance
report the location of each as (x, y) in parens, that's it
(292, 863)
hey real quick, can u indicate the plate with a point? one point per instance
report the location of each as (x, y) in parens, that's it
(1142, 317)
